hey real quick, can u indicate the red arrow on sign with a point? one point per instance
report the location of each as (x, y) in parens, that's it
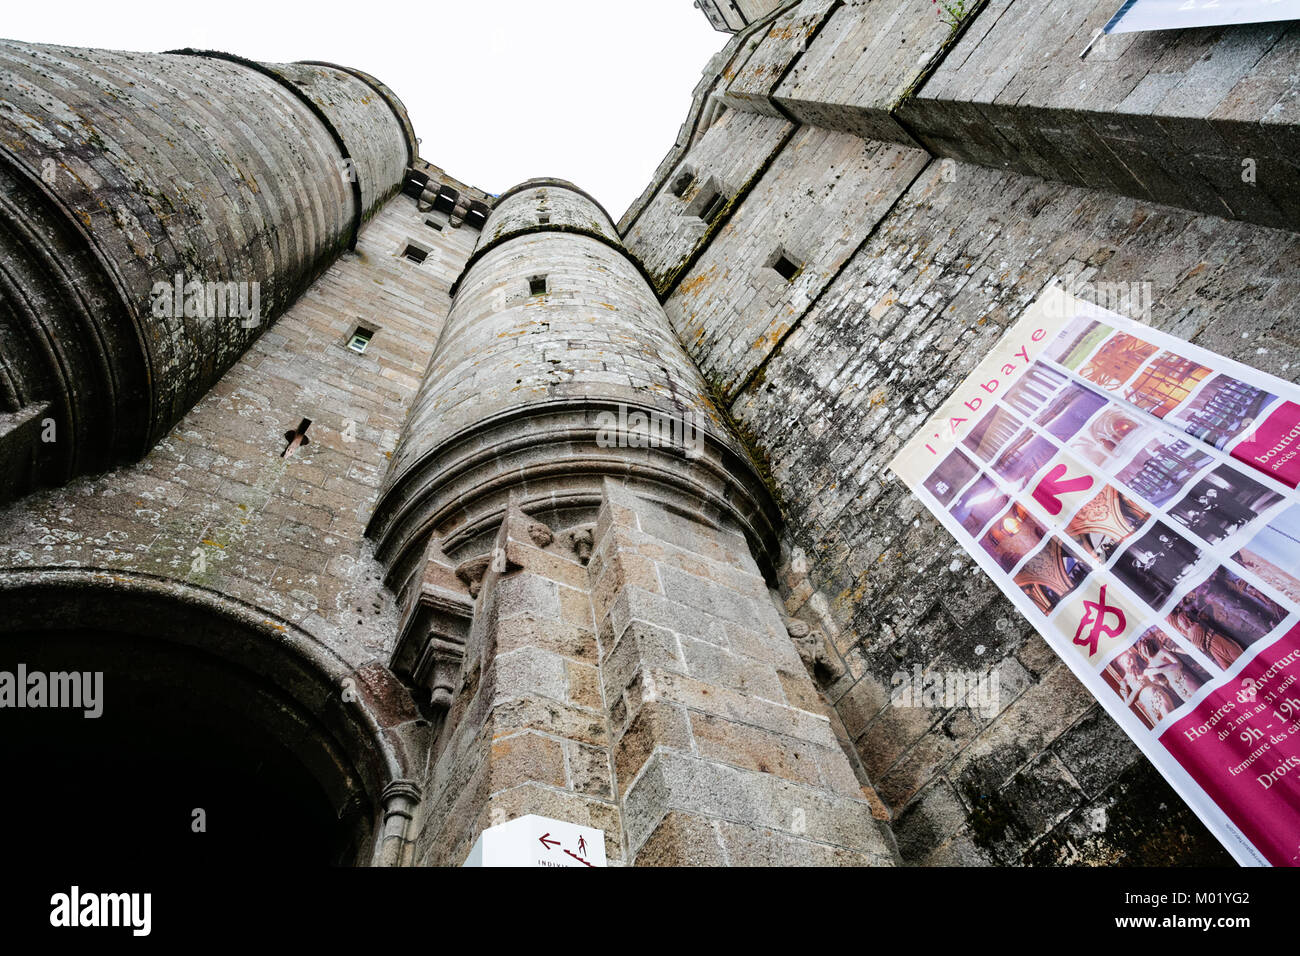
(547, 843)
(1054, 484)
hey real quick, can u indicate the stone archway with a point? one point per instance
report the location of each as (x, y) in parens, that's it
(293, 755)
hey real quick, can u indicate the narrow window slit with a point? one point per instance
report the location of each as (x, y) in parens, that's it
(360, 340)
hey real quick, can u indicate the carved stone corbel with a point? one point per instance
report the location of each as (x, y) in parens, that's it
(431, 640)
(471, 572)
(540, 534)
(581, 541)
(438, 669)
(824, 666)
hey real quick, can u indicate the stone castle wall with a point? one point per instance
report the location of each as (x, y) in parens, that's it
(911, 260)
(125, 171)
(693, 652)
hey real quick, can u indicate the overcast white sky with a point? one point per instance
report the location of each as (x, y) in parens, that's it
(499, 90)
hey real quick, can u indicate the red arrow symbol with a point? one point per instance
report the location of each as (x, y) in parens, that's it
(1049, 490)
(547, 843)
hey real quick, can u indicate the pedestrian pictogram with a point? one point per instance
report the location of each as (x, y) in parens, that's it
(539, 841)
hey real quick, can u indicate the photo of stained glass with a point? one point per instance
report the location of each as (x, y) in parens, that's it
(1116, 361)
(1165, 383)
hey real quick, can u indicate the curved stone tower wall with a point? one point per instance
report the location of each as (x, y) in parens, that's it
(552, 326)
(578, 540)
(123, 171)
(543, 203)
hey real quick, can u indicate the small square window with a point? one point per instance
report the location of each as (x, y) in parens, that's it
(414, 253)
(544, 219)
(710, 199)
(360, 340)
(786, 267)
(684, 181)
(537, 285)
(713, 208)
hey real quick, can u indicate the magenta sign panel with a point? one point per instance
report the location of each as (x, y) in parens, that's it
(1136, 497)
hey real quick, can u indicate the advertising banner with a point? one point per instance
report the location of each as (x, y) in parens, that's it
(1135, 496)
(1136, 15)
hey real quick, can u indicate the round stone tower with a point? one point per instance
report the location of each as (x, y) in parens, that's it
(557, 369)
(157, 212)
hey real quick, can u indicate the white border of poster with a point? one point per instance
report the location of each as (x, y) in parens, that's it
(1141, 15)
(1164, 580)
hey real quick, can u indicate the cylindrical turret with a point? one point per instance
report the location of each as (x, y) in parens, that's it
(157, 211)
(557, 369)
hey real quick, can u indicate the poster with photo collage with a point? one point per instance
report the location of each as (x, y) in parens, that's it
(1135, 496)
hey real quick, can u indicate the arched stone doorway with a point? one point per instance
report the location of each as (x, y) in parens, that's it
(207, 704)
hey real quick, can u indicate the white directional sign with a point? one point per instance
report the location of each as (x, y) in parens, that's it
(1136, 15)
(538, 841)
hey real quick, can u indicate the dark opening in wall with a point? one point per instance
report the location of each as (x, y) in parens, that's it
(786, 267)
(713, 208)
(434, 223)
(360, 340)
(537, 285)
(709, 201)
(261, 774)
(446, 201)
(415, 183)
(296, 438)
(684, 181)
(414, 253)
(477, 216)
(544, 219)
